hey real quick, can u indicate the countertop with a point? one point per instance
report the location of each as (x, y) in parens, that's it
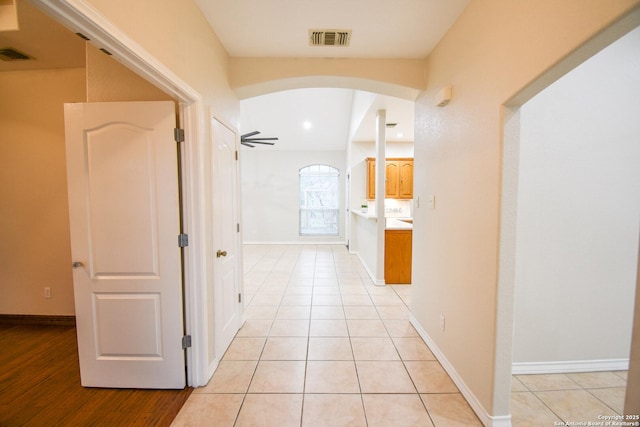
(399, 224)
(390, 223)
(365, 214)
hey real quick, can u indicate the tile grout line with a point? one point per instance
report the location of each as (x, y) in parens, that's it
(244, 397)
(355, 366)
(306, 360)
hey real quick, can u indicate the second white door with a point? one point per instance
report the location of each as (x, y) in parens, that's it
(226, 242)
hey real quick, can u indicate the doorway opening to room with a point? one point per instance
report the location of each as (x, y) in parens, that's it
(571, 204)
(335, 128)
(66, 76)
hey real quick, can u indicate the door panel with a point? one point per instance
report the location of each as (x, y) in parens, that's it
(225, 239)
(406, 179)
(392, 178)
(120, 156)
(127, 326)
(124, 212)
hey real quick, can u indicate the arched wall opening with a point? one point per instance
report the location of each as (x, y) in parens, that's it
(263, 184)
(383, 84)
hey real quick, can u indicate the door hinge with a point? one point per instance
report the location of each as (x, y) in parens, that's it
(186, 342)
(236, 154)
(178, 134)
(239, 297)
(183, 240)
(238, 227)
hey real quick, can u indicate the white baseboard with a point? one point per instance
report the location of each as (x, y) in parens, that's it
(310, 242)
(485, 418)
(521, 368)
(212, 369)
(369, 272)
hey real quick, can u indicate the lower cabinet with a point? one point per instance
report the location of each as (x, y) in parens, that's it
(397, 256)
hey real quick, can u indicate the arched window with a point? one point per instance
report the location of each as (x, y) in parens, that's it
(319, 200)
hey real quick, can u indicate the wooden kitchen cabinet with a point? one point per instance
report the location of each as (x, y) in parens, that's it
(399, 178)
(392, 179)
(397, 256)
(371, 178)
(405, 187)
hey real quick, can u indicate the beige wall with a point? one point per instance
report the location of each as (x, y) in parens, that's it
(177, 34)
(403, 78)
(34, 220)
(492, 52)
(108, 80)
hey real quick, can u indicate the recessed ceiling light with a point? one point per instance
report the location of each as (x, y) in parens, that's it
(306, 124)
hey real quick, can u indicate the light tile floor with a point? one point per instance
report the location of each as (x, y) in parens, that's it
(323, 346)
(540, 400)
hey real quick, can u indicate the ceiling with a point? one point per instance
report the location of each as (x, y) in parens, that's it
(50, 44)
(279, 28)
(380, 28)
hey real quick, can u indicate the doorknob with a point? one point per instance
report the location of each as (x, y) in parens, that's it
(221, 253)
(77, 264)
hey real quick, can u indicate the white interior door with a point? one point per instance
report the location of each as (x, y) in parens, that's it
(124, 212)
(226, 243)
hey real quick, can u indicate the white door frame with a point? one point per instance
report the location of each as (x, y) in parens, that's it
(80, 17)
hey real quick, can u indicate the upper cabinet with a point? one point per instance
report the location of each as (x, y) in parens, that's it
(405, 186)
(371, 178)
(399, 178)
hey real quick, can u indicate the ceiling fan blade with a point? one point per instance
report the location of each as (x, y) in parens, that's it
(259, 139)
(255, 132)
(262, 142)
(245, 140)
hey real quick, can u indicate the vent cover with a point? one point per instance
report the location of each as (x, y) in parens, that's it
(329, 37)
(10, 54)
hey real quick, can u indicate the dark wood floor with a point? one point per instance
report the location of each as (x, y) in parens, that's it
(40, 386)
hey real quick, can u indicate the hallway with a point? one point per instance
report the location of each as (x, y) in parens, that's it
(323, 346)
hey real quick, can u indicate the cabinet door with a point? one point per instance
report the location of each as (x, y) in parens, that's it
(371, 179)
(405, 188)
(392, 183)
(398, 251)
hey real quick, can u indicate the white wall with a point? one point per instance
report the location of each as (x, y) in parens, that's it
(270, 191)
(578, 213)
(399, 149)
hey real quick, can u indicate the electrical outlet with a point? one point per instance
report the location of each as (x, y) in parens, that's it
(47, 293)
(442, 322)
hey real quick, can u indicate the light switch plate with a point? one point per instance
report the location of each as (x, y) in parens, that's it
(431, 202)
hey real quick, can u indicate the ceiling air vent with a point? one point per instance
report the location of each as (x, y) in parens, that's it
(329, 37)
(10, 54)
